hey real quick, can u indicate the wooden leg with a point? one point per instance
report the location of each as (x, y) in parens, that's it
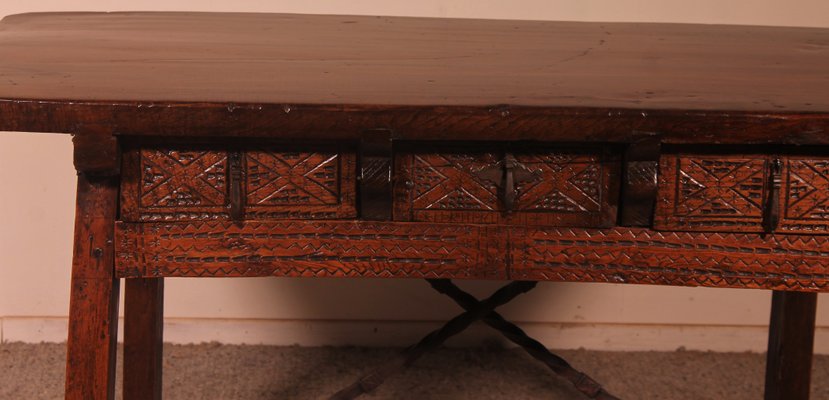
(791, 340)
(93, 306)
(143, 338)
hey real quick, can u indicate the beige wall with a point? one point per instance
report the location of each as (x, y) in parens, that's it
(36, 210)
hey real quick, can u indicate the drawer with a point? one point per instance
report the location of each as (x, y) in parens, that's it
(282, 182)
(805, 184)
(740, 193)
(527, 185)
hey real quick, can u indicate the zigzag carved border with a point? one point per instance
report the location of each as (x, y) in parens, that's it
(633, 255)
(426, 250)
(308, 249)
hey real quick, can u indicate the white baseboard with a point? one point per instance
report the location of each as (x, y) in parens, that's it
(609, 337)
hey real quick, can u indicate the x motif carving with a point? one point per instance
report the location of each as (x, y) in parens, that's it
(721, 187)
(805, 200)
(179, 178)
(291, 178)
(570, 187)
(441, 173)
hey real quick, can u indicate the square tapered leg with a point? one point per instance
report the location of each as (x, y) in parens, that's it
(143, 338)
(791, 342)
(93, 307)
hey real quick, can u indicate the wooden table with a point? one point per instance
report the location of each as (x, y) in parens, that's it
(228, 145)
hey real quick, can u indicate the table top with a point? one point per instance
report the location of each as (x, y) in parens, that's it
(50, 60)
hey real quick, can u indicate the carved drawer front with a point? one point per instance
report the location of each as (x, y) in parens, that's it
(743, 193)
(252, 184)
(712, 192)
(528, 185)
(805, 186)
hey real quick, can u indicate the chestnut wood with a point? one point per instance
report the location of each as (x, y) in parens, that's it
(97, 151)
(199, 102)
(199, 183)
(636, 255)
(302, 59)
(338, 76)
(143, 338)
(743, 193)
(804, 200)
(351, 122)
(397, 249)
(93, 306)
(712, 192)
(310, 249)
(791, 341)
(518, 184)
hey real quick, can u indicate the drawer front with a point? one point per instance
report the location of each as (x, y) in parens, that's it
(199, 184)
(735, 193)
(558, 187)
(306, 185)
(805, 203)
(712, 192)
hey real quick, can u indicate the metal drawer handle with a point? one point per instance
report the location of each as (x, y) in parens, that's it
(771, 213)
(506, 175)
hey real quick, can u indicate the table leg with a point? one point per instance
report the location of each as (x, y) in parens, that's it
(143, 338)
(791, 340)
(93, 306)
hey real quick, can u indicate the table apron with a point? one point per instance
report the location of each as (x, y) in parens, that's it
(470, 251)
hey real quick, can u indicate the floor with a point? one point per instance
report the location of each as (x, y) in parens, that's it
(213, 371)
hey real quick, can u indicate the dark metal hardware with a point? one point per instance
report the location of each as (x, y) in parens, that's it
(475, 310)
(507, 175)
(771, 213)
(236, 199)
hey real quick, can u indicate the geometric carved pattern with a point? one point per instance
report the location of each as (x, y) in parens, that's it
(560, 187)
(176, 185)
(282, 184)
(712, 193)
(567, 183)
(183, 178)
(472, 251)
(806, 195)
(636, 255)
(448, 182)
(162, 185)
(309, 249)
(292, 178)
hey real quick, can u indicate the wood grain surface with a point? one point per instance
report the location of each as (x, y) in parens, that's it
(102, 76)
(281, 182)
(732, 192)
(93, 307)
(551, 185)
(468, 251)
(337, 76)
(635, 255)
(304, 59)
(712, 192)
(791, 344)
(143, 338)
(310, 249)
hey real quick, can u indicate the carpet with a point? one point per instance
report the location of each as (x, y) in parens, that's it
(215, 371)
